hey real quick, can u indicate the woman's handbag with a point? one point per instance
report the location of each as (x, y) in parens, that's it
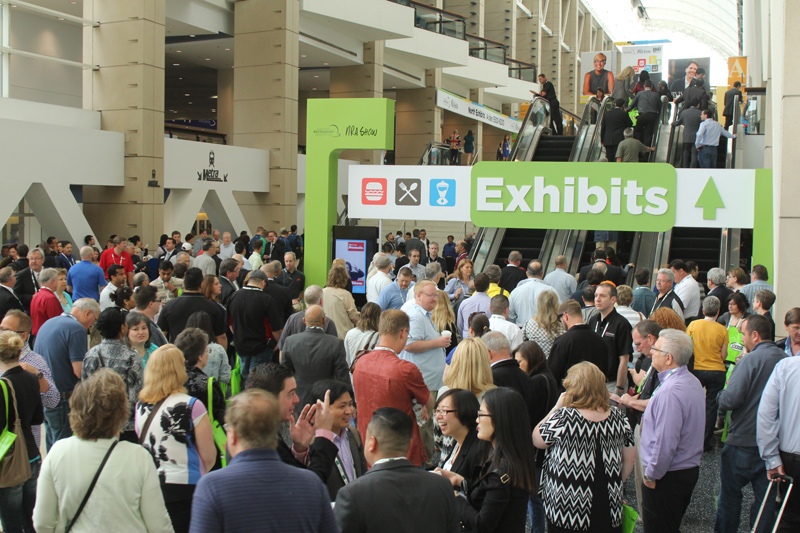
(15, 467)
(220, 437)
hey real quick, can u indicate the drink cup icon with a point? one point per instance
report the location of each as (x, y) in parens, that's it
(442, 188)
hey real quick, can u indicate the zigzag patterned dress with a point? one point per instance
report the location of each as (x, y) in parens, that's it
(580, 494)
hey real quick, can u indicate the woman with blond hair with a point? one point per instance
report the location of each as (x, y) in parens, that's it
(175, 429)
(444, 319)
(338, 303)
(25, 402)
(127, 493)
(339, 262)
(589, 450)
(623, 85)
(667, 318)
(544, 326)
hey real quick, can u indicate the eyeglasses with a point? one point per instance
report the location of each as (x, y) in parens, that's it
(659, 350)
(481, 415)
(442, 412)
(560, 315)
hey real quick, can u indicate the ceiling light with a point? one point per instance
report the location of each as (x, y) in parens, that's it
(187, 94)
(191, 36)
(190, 103)
(303, 55)
(394, 86)
(213, 110)
(59, 18)
(73, 3)
(176, 64)
(177, 51)
(324, 63)
(316, 76)
(180, 78)
(314, 89)
(228, 49)
(215, 97)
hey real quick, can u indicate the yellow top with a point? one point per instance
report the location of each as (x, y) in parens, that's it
(709, 338)
(494, 289)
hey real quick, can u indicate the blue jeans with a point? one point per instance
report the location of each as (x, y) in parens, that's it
(738, 467)
(707, 157)
(713, 381)
(57, 420)
(251, 361)
(16, 503)
(536, 510)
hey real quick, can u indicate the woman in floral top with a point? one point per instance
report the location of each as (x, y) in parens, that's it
(114, 354)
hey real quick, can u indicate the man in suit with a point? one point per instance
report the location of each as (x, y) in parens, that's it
(414, 243)
(613, 272)
(228, 274)
(578, 344)
(282, 295)
(420, 502)
(506, 373)
(313, 355)
(729, 96)
(695, 91)
(27, 283)
(690, 120)
(294, 325)
(613, 128)
(274, 249)
(512, 273)
(287, 499)
(8, 299)
(716, 285)
(314, 421)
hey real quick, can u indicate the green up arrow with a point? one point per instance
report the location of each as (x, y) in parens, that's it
(710, 200)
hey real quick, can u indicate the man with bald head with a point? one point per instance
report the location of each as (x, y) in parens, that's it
(295, 324)
(256, 323)
(86, 279)
(313, 355)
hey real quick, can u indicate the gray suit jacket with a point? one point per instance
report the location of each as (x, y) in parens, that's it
(690, 119)
(397, 497)
(315, 355)
(294, 325)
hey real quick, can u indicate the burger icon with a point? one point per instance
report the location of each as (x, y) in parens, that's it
(374, 191)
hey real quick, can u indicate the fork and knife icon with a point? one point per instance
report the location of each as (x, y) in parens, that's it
(408, 191)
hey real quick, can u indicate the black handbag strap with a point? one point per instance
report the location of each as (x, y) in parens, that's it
(91, 487)
(143, 434)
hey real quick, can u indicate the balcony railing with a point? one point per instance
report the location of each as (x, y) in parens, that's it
(437, 20)
(488, 49)
(520, 70)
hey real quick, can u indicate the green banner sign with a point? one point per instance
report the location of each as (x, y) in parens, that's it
(334, 125)
(608, 196)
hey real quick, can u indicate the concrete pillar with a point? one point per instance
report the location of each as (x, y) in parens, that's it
(501, 23)
(417, 119)
(266, 67)
(225, 104)
(784, 100)
(527, 40)
(481, 152)
(549, 31)
(473, 10)
(361, 81)
(129, 92)
(568, 68)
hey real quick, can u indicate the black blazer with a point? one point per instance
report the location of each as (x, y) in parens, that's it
(283, 298)
(227, 290)
(469, 457)
(397, 497)
(278, 249)
(613, 129)
(493, 504)
(24, 288)
(613, 273)
(9, 301)
(335, 482)
(510, 276)
(321, 456)
(506, 373)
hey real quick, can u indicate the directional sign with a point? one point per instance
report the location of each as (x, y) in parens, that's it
(715, 198)
(710, 200)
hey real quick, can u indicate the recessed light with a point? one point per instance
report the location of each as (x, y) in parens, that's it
(394, 86)
(208, 59)
(59, 18)
(303, 55)
(227, 49)
(190, 103)
(324, 63)
(180, 78)
(213, 110)
(314, 89)
(73, 3)
(176, 64)
(215, 97)
(316, 76)
(177, 51)
(191, 36)
(187, 94)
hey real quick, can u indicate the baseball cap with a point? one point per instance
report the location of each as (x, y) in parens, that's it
(187, 247)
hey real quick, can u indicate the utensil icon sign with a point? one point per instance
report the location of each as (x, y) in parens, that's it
(442, 188)
(408, 191)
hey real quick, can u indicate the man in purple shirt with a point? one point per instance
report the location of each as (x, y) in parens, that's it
(479, 302)
(672, 435)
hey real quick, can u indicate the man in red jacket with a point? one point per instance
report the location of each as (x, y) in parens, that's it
(45, 304)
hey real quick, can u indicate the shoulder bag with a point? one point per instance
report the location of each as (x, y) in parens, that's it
(146, 426)
(363, 351)
(220, 437)
(91, 487)
(15, 467)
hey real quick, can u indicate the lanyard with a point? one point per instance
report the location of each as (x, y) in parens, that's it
(662, 382)
(656, 303)
(376, 348)
(341, 470)
(604, 329)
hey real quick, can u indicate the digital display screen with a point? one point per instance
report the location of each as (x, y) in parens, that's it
(354, 253)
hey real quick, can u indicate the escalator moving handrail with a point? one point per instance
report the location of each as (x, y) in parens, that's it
(737, 117)
(600, 117)
(663, 118)
(584, 120)
(528, 117)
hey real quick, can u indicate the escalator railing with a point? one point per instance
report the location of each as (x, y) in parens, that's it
(587, 145)
(661, 135)
(436, 153)
(537, 117)
(737, 119)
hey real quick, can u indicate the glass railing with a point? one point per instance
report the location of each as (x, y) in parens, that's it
(487, 49)
(520, 70)
(754, 114)
(436, 153)
(587, 146)
(436, 20)
(661, 134)
(538, 115)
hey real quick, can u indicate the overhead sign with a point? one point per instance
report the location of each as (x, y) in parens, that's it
(737, 70)
(644, 58)
(574, 196)
(392, 192)
(461, 106)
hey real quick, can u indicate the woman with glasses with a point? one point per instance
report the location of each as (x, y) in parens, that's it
(496, 498)
(736, 279)
(545, 326)
(456, 416)
(599, 78)
(590, 451)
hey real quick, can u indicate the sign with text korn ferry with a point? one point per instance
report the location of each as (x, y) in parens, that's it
(615, 197)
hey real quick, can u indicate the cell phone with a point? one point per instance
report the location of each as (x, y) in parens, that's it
(631, 366)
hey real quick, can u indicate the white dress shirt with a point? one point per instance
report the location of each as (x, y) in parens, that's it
(689, 293)
(512, 332)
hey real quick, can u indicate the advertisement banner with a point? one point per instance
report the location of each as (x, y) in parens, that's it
(644, 58)
(461, 106)
(737, 70)
(598, 69)
(354, 253)
(682, 71)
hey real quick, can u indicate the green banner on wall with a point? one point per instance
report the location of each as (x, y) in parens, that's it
(334, 125)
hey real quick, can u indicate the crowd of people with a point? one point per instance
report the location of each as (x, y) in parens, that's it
(224, 393)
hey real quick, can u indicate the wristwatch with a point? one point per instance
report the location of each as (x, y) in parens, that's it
(39, 375)
(649, 480)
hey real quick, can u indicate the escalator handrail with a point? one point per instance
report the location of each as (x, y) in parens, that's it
(664, 115)
(737, 117)
(598, 122)
(584, 120)
(535, 102)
